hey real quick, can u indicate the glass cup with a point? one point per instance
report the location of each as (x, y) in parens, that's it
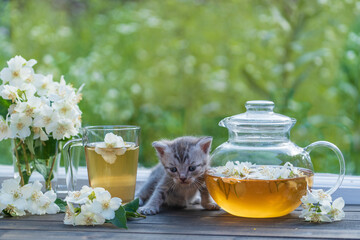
(111, 167)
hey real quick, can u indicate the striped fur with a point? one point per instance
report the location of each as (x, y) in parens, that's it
(190, 157)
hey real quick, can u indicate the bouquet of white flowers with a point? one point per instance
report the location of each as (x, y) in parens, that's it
(35, 111)
(95, 206)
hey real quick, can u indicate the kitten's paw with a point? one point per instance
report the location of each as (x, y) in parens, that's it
(211, 206)
(148, 210)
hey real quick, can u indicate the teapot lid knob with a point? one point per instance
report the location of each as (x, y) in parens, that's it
(260, 105)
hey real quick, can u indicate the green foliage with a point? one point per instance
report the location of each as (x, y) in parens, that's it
(125, 212)
(62, 204)
(132, 206)
(42, 161)
(4, 107)
(120, 218)
(178, 67)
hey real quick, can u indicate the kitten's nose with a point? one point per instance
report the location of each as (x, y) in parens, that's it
(183, 179)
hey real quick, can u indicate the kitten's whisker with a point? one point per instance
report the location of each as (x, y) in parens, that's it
(197, 183)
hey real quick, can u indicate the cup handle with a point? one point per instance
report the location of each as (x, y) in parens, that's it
(71, 166)
(339, 155)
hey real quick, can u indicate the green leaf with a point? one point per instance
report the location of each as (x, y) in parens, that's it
(131, 215)
(29, 141)
(41, 168)
(132, 206)
(45, 150)
(25, 176)
(4, 107)
(120, 218)
(62, 204)
(6, 213)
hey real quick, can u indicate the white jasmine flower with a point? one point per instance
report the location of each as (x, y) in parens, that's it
(9, 92)
(5, 132)
(69, 214)
(17, 71)
(31, 78)
(28, 108)
(66, 109)
(77, 122)
(44, 84)
(229, 168)
(266, 173)
(27, 91)
(105, 205)
(19, 125)
(284, 173)
(11, 109)
(62, 91)
(113, 141)
(312, 216)
(318, 208)
(250, 171)
(325, 207)
(14, 211)
(244, 168)
(112, 146)
(62, 128)
(44, 116)
(47, 204)
(109, 154)
(40, 133)
(79, 197)
(88, 217)
(33, 195)
(98, 190)
(12, 194)
(318, 196)
(337, 209)
(30, 190)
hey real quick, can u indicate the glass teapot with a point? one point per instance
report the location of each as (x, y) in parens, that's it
(259, 172)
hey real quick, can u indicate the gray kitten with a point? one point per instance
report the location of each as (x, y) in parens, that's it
(180, 175)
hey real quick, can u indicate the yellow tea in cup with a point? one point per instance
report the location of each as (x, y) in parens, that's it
(118, 176)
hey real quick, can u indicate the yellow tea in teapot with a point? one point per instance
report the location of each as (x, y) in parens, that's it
(259, 198)
(113, 169)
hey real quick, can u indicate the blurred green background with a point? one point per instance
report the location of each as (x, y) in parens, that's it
(178, 67)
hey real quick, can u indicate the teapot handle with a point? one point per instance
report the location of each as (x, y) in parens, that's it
(71, 163)
(339, 155)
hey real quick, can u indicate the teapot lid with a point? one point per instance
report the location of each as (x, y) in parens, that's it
(259, 117)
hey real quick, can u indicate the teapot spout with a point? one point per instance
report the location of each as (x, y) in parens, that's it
(223, 122)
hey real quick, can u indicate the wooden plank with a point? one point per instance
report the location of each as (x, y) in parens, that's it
(217, 230)
(204, 222)
(197, 215)
(59, 235)
(215, 227)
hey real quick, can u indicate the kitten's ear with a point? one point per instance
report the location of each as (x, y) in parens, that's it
(205, 144)
(160, 147)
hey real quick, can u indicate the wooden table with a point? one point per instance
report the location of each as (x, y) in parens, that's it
(191, 223)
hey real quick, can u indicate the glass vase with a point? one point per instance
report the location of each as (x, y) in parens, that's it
(36, 160)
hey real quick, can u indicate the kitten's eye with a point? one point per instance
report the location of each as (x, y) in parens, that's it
(192, 168)
(173, 169)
